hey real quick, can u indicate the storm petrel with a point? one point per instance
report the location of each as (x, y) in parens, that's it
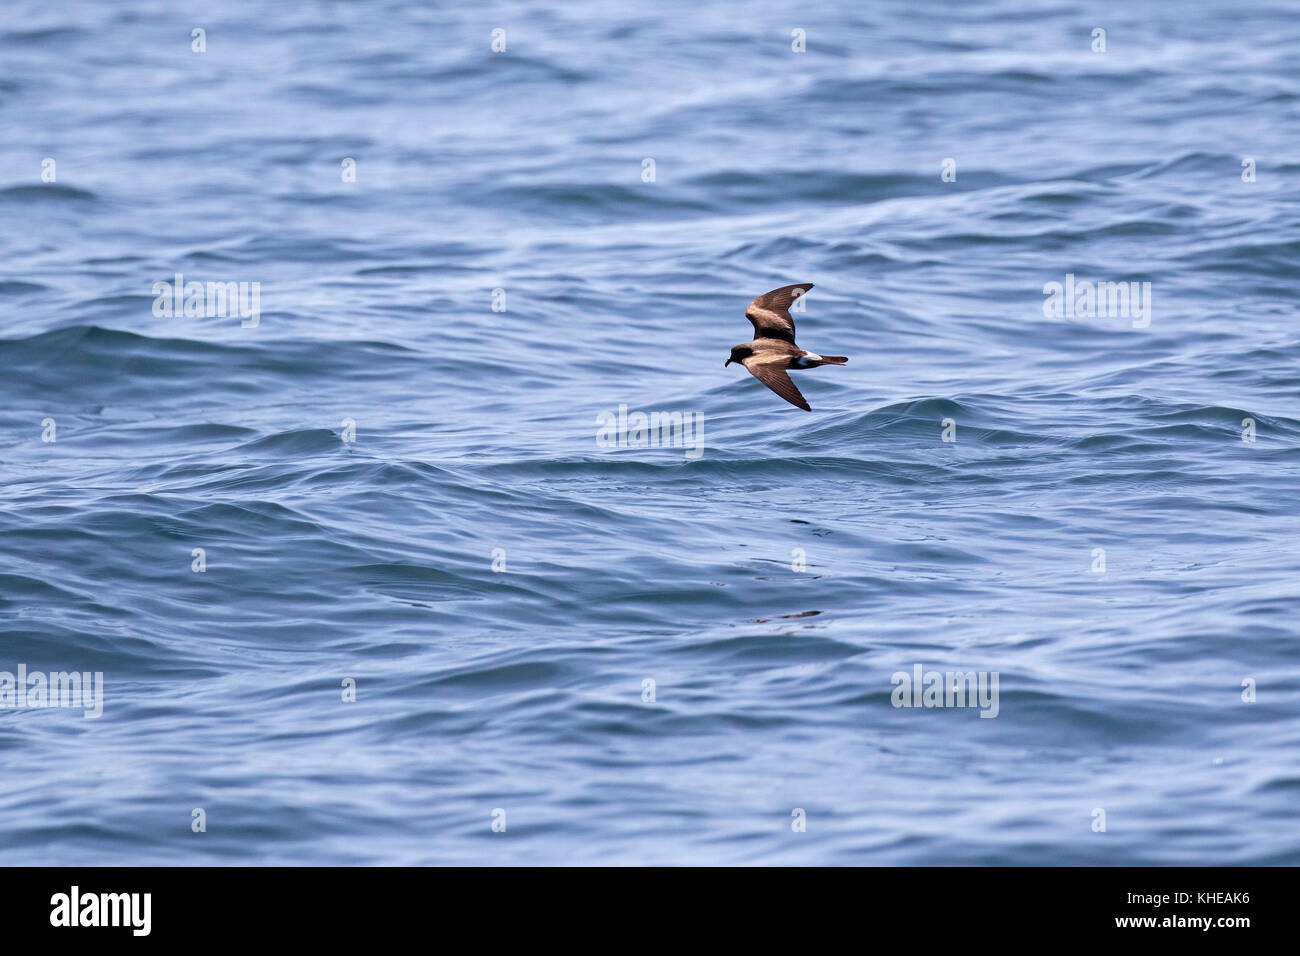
(772, 352)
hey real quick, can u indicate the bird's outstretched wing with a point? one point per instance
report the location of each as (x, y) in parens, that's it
(770, 313)
(770, 370)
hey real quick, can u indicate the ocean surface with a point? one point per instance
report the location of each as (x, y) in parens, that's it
(391, 476)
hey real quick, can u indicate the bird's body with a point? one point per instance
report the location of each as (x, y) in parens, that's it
(772, 352)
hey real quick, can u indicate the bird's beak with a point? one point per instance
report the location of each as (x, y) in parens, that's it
(726, 363)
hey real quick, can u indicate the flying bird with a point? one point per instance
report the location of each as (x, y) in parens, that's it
(773, 352)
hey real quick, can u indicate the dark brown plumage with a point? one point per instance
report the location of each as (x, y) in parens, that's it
(772, 351)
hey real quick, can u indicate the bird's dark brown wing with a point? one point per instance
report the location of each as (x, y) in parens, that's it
(770, 313)
(770, 370)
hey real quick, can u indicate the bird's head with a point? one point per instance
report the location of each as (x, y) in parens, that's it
(738, 354)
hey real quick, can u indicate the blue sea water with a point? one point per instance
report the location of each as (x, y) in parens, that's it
(504, 272)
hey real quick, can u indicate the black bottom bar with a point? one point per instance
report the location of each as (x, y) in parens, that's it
(335, 906)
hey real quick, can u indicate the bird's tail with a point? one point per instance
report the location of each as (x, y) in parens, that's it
(833, 360)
